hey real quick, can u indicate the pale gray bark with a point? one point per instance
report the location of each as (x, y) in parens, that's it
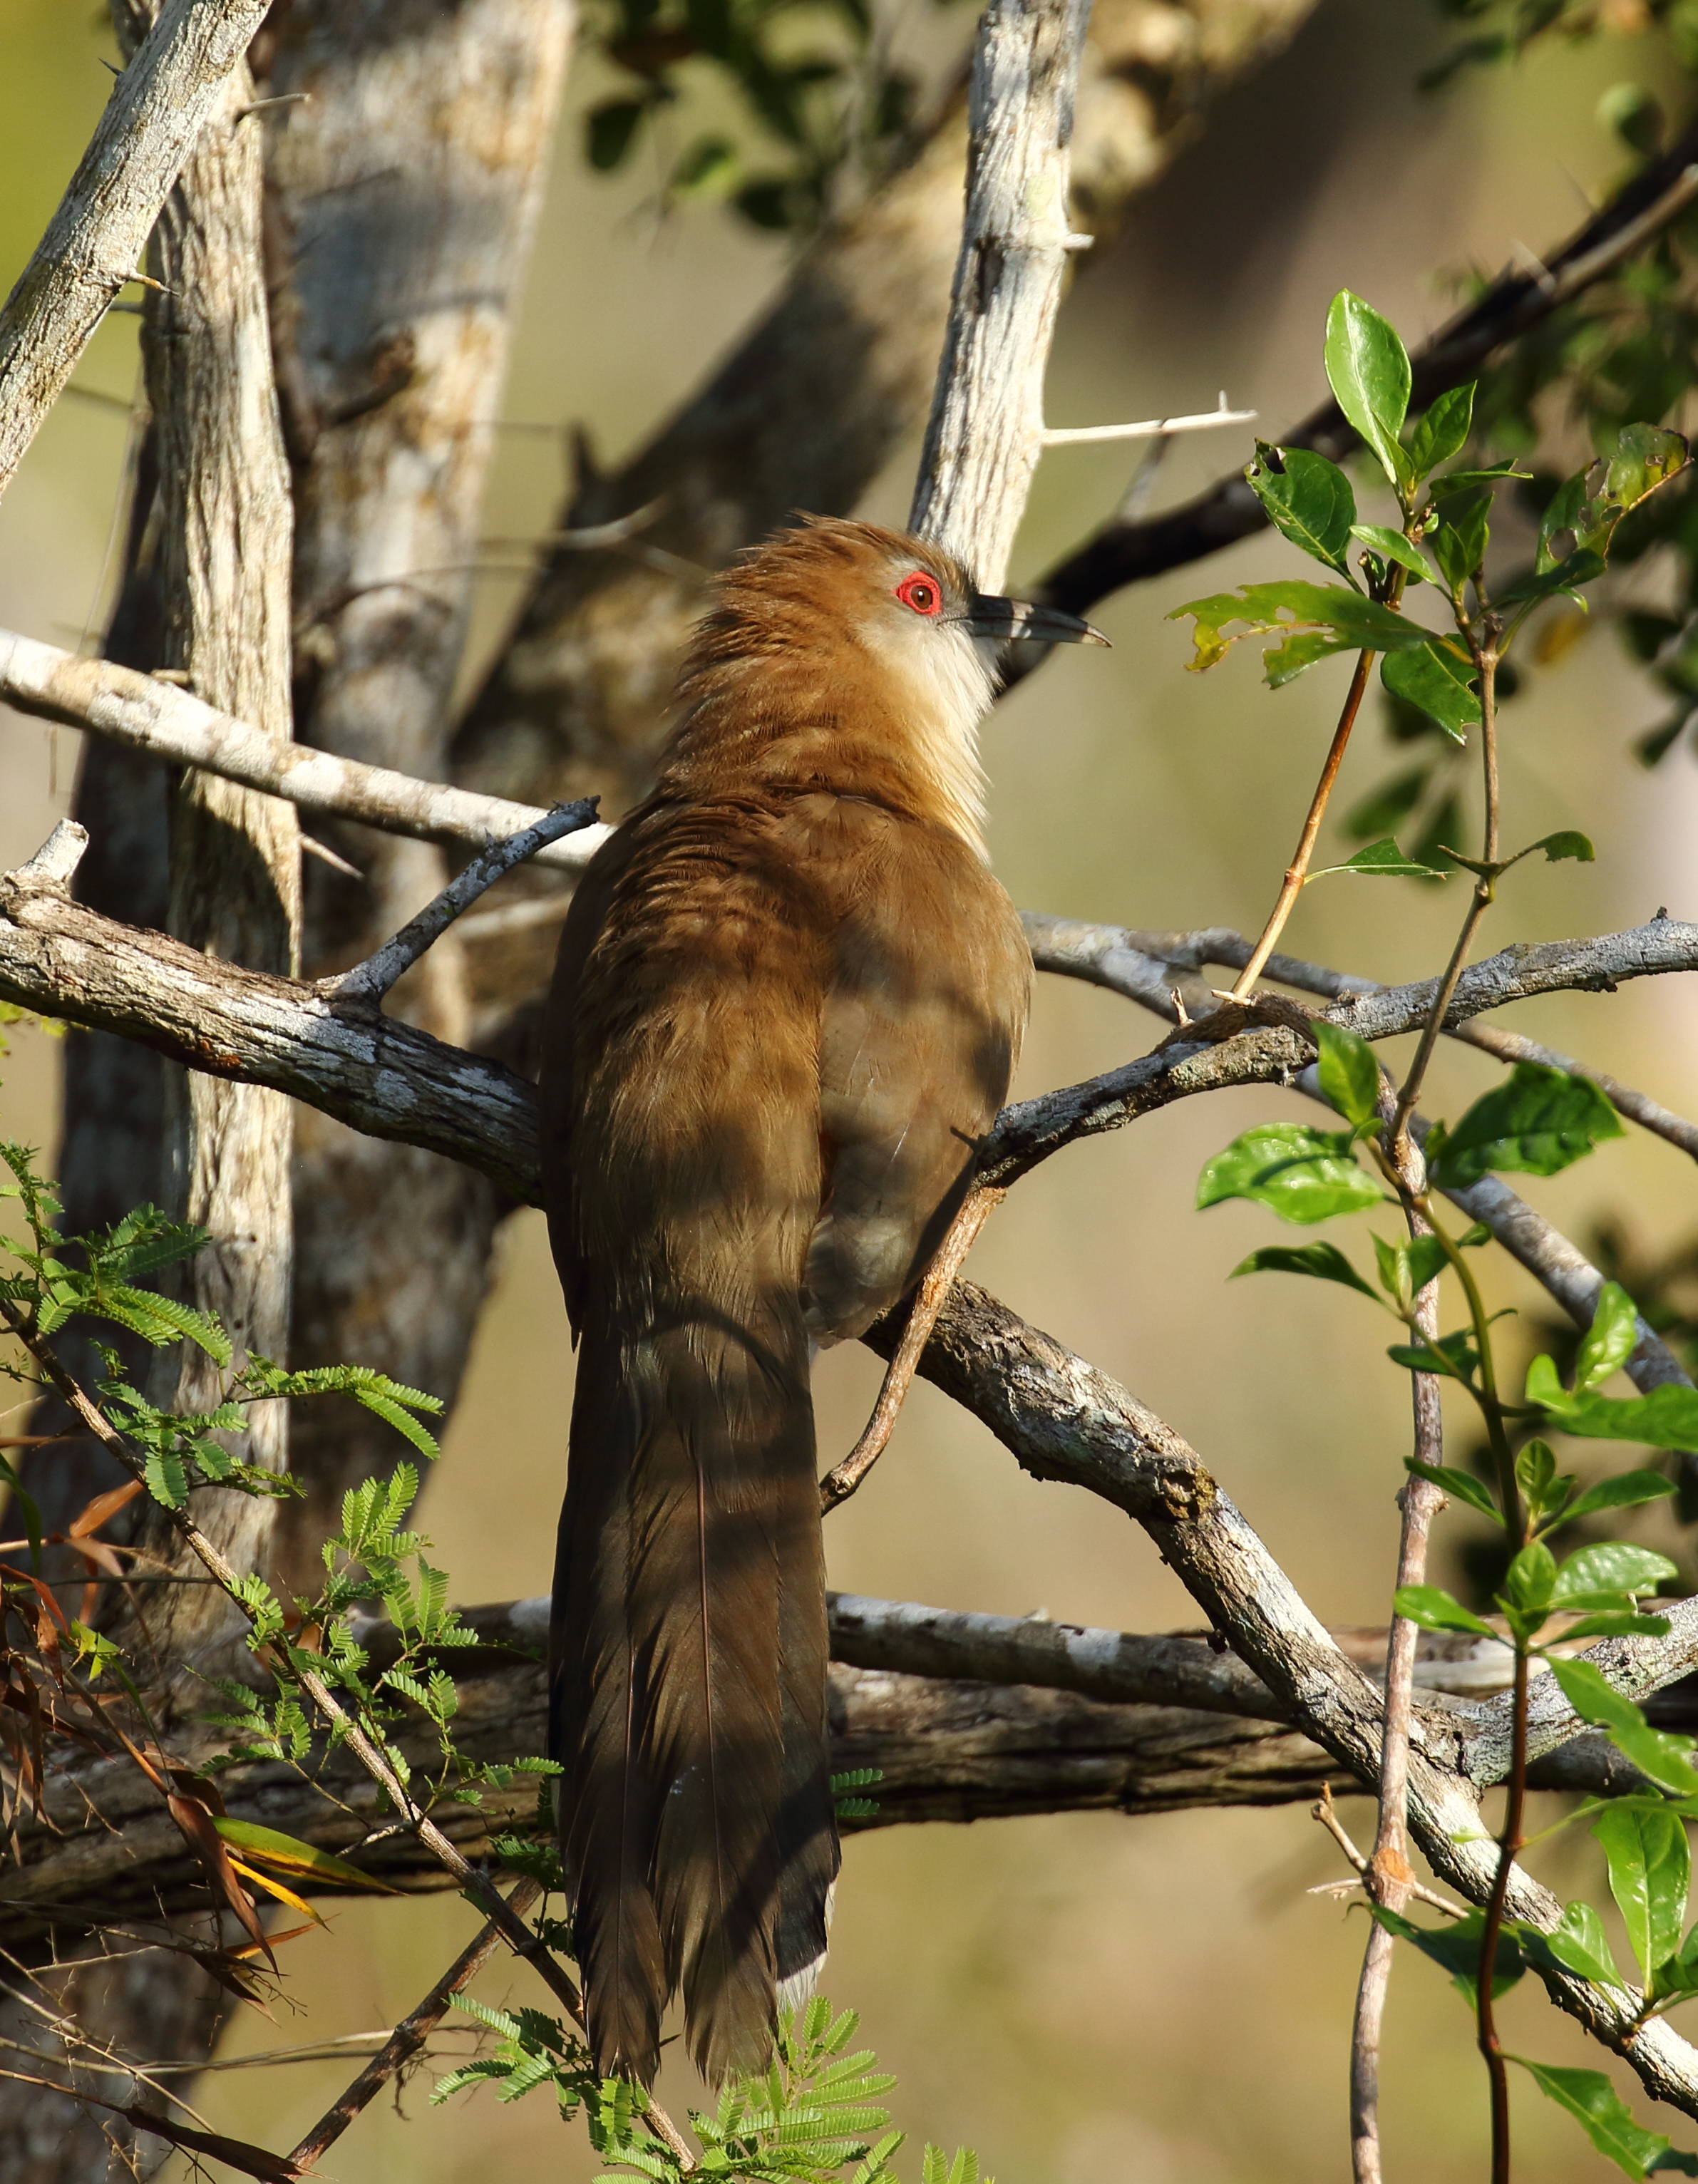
(179, 727)
(986, 430)
(220, 560)
(406, 181)
(94, 241)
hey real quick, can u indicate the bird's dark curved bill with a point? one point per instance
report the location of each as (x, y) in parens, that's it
(1012, 619)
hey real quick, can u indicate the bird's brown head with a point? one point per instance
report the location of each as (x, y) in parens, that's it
(839, 646)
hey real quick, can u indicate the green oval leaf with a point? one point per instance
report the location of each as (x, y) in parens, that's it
(1348, 1072)
(1612, 1568)
(1431, 1608)
(1610, 1340)
(1538, 1123)
(1579, 1941)
(1302, 1174)
(1667, 1759)
(1650, 1868)
(1444, 431)
(1437, 683)
(1392, 546)
(1367, 368)
(1306, 498)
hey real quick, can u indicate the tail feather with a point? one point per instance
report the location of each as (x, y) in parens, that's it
(695, 1807)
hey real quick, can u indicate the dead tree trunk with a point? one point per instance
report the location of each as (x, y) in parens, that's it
(216, 584)
(404, 189)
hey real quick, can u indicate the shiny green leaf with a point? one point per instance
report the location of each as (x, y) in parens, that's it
(1299, 1173)
(1579, 1941)
(1538, 1121)
(1392, 546)
(1312, 620)
(1610, 1340)
(1348, 1072)
(1460, 1486)
(1307, 498)
(1431, 1608)
(1612, 1567)
(1625, 1491)
(1436, 681)
(1444, 431)
(1650, 1868)
(1383, 861)
(1458, 543)
(1602, 2114)
(1368, 369)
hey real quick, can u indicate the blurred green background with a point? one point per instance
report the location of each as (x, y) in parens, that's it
(1083, 1997)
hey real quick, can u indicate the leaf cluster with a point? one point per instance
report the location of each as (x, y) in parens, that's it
(819, 94)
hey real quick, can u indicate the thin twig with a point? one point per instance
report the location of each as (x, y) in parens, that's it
(1389, 1878)
(411, 2035)
(1298, 869)
(371, 980)
(975, 1210)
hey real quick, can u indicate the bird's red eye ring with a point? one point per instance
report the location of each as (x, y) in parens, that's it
(921, 592)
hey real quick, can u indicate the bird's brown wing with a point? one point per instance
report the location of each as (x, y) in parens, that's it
(931, 979)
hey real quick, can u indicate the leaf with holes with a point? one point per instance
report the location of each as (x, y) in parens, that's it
(1306, 499)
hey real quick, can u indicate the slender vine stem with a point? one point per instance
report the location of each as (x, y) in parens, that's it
(1298, 869)
(1509, 1844)
(1485, 655)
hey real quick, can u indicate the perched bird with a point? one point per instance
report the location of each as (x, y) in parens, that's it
(789, 1000)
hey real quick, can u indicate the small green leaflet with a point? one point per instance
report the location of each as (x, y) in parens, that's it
(1302, 1174)
(1431, 1608)
(1324, 1262)
(1579, 1940)
(1392, 546)
(1668, 1417)
(1310, 620)
(1368, 369)
(1610, 1340)
(1540, 1121)
(1460, 1486)
(1437, 682)
(1605, 2119)
(1381, 860)
(1307, 498)
(1349, 1073)
(1444, 431)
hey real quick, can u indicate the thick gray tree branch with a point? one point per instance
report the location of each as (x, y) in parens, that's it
(94, 242)
(180, 728)
(1273, 1049)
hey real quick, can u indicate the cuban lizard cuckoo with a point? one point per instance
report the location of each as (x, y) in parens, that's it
(789, 998)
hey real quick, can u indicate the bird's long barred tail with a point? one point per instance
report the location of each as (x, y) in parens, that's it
(689, 1683)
